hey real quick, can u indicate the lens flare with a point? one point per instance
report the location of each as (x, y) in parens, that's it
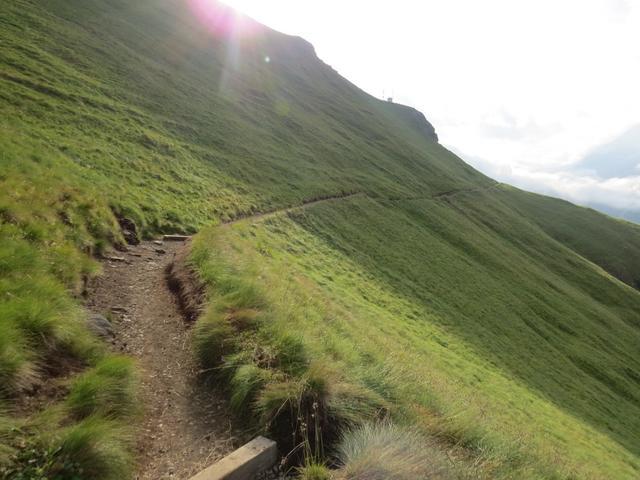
(221, 20)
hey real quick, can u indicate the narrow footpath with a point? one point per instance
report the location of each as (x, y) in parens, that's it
(186, 427)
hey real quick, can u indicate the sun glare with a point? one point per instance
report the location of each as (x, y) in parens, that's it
(222, 20)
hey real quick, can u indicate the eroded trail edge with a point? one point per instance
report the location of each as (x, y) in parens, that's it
(185, 426)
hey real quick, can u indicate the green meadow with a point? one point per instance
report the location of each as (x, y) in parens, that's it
(499, 339)
(500, 328)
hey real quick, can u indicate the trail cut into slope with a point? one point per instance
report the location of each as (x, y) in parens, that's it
(186, 426)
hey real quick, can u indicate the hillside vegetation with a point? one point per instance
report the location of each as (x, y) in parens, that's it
(501, 327)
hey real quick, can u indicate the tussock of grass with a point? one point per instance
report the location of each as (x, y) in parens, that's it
(96, 448)
(383, 451)
(268, 368)
(38, 319)
(53, 446)
(213, 339)
(245, 384)
(107, 390)
(16, 367)
(314, 471)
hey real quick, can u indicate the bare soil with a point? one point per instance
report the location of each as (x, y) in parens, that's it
(186, 426)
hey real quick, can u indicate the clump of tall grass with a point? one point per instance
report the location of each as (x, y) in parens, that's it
(268, 370)
(16, 365)
(38, 317)
(94, 448)
(48, 232)
(314, 471)
(109, 390)
(383, 451)
(51, 446)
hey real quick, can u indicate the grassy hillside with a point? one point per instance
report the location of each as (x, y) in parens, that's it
(588, 232)
(468, 319)
(157, 113)
(481, 314)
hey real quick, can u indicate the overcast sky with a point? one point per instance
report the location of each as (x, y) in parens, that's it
(522, 89)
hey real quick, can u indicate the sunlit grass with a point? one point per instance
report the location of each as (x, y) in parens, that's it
(109, 390)
(385, 451)
(410, 353)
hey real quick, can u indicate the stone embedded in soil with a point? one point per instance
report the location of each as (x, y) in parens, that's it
(113, 258)
(129, 231)
(100, 326)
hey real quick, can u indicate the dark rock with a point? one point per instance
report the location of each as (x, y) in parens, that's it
(121, 248)
(129, 231)
(100, 326)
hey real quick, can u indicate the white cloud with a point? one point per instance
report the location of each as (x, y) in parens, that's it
(578, 187)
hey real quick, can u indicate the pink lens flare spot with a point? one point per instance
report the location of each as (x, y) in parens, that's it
(221, 20)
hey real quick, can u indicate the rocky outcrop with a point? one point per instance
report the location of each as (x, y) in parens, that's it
(129, 231)
(416, 119)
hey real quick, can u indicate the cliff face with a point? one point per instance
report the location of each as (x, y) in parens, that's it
(417, 120)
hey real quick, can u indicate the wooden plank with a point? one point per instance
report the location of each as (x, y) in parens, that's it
(255, 457)
(176, 238)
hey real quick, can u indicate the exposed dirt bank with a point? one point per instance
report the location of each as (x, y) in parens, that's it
(186, 426)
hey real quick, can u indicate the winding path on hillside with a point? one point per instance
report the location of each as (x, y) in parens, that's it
(344, 196)
(306, 204)
(186, 426)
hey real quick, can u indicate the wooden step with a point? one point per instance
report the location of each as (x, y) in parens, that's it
(255, 457)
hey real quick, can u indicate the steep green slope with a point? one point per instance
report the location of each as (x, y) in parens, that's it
(606, 241)
(144, 93)
(481, 313)
(460, 309)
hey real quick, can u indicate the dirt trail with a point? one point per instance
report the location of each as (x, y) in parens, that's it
(186, 427)
(308, 203)
(345, 196)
